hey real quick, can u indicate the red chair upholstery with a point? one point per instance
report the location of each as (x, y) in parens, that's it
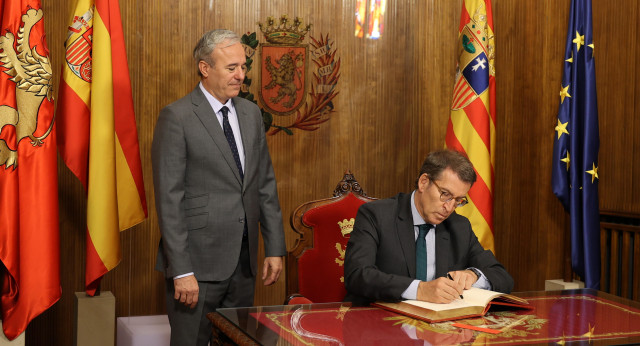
(297, 298)
(315, 264)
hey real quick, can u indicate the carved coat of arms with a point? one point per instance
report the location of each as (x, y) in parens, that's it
(291, 96)
(283, 71)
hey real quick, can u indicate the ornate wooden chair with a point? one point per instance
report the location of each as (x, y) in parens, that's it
(315, 264)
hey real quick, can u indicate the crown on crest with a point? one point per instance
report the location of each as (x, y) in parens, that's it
(285, 32)
(346, 226)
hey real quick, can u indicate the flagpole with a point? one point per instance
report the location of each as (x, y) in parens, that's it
(568, 270)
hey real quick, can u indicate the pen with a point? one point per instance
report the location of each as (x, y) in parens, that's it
(450, 278)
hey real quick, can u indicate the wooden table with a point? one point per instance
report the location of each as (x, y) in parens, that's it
(570, 316)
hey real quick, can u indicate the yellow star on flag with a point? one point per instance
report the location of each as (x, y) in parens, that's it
(593, 172)
(570, 59)
(579, 40)
(567, 160)
(593, 49)
(564, 93)
(561, 128)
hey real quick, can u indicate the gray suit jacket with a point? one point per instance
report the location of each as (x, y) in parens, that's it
(380, 260)
(200, 198)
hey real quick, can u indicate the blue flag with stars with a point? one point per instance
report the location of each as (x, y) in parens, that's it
(576, 143)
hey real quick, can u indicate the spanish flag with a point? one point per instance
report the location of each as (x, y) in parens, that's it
(471, 128)
(29, 231)
(98, 139)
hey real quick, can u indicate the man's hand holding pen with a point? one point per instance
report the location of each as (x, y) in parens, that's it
(450, 278)
(446, 289)
(466, 277)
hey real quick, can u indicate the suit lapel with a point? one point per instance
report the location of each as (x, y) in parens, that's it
(246, 128)
(442, 242)
(406, 234)
(203, 110)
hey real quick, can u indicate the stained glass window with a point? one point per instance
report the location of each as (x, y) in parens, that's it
(370, 18)
(376, 18)
(361, 15)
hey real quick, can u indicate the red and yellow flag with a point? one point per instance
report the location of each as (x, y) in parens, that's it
(98, 138)
(29, 233)
(471, 128)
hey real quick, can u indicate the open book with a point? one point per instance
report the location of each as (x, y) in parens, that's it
(476, 303)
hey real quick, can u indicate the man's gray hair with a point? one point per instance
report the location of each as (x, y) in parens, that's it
(209, 41)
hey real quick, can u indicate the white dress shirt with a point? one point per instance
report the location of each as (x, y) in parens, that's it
(233, 120)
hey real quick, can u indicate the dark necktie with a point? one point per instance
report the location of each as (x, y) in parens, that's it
(231, 139)
(421, 252)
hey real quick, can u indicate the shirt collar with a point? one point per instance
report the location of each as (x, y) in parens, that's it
(215, 104)
(417, 218)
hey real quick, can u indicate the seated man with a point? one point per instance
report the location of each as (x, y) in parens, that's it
(415, 247)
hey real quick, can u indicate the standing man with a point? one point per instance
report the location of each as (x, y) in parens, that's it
(415, 247)
(214, 183)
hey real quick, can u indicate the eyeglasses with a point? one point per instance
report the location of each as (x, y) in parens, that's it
(446, 197)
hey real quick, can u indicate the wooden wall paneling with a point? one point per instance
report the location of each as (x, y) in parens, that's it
(529, 50)
(550, 221)
(520, 154)
(434, 51)
(503, 195)
(309, 164)
(633, 114)
(616, 31)
(391, 110)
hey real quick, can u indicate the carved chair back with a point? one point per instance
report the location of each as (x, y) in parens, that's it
(315, 266)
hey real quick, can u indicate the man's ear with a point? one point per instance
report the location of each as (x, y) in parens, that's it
(423, 182)
(204, 68)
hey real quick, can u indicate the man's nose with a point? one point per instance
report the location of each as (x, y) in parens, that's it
(450, 205)
(239, 74)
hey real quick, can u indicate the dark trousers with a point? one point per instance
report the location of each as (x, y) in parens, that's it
(191, 327)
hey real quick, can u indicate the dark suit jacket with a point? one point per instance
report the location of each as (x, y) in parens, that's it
(200, 198)
(380, 260)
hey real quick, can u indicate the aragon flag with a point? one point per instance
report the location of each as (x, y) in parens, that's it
(98, 139)
(471, 128)
(29, 233)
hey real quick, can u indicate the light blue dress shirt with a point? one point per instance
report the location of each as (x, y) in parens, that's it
(412, 291)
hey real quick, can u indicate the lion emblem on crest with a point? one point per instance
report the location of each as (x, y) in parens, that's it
(284, 76)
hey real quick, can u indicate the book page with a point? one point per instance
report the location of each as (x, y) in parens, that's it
(472, 297)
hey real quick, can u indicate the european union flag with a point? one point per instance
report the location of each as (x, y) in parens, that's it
(575, 152)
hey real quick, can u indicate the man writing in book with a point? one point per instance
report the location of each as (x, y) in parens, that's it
(414, 246)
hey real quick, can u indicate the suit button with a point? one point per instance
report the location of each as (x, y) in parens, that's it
(241, 220)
